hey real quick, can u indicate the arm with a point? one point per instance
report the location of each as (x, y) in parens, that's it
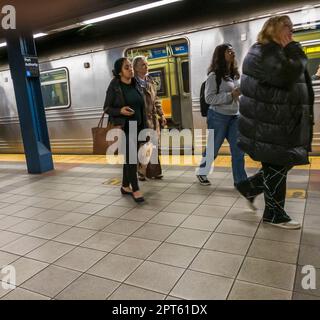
(157, 102)
(158, 106)
(109, 103)
(283, 67)
(211, 95)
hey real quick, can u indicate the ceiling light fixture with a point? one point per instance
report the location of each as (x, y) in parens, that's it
(39, 35)
(130, 11)
(35, 36)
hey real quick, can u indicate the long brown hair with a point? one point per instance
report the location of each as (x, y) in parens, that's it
(219, 64)
(271, 28)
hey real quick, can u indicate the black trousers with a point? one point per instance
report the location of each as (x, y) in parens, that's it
(129, 177)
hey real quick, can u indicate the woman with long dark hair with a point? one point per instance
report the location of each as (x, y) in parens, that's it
(124, 104)
(222, 93)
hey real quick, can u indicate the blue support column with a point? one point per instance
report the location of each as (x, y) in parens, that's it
(29, 103)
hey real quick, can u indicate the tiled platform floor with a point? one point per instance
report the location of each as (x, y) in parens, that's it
(70, 236)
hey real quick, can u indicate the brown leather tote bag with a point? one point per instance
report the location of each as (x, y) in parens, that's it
(99, 133)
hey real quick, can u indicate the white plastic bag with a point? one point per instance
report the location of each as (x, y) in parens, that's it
(145, 152)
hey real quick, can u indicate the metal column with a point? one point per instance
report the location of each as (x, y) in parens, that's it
(29, 103)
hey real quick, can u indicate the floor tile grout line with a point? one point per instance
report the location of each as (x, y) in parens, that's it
(161, 243)
(210, 235)
(300, 240)
(146, 259)
(50, 265)
(76, 226)
(19, 287)
(245, 257)
(57, 258)
(123, 282)
(259, 284)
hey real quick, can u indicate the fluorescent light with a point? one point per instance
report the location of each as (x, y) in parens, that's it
(281, 12)
(130, 11)
(262, 16)
(39, 35)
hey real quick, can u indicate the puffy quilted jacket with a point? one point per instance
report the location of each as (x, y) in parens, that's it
(276, 105)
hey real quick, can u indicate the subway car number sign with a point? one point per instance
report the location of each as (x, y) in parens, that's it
(32, 66)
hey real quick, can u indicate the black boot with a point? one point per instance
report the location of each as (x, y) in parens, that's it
(251, 188)
(244, 188)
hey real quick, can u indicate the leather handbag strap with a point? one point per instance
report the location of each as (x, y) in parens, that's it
(100, 124)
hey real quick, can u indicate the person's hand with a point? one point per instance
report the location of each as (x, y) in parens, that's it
(236, 93)
(163, 121)
(285, 39)
(126, 111)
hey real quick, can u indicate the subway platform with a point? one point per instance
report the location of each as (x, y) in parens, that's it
(70, 234)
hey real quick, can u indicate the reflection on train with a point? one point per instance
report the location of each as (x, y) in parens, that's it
(74, 83)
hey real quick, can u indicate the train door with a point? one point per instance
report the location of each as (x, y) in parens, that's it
(184, 92)
(310, 41)
(169, 67)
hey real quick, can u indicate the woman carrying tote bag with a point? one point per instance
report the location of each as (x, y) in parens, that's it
(124, 104)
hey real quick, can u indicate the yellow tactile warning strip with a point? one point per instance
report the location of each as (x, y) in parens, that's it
(296, 193)
(221, 161)
(113, 182)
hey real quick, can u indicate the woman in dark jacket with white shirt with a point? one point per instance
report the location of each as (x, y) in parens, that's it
(276, 112)
(222, 93)
(125, 106)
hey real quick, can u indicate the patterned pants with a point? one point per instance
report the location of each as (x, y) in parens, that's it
(274, 189)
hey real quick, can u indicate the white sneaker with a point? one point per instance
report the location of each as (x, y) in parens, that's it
(286, 225)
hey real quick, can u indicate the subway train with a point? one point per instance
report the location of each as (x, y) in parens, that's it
(74, 81)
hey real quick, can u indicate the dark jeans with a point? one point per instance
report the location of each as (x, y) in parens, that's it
(130, 169)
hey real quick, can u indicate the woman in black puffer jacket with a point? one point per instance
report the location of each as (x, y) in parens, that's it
(275, 126)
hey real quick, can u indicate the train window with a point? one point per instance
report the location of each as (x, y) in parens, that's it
(55, 88)
(185, 76)
(159, 78)
(314, 69)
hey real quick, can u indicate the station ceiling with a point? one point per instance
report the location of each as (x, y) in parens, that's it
(57, 15)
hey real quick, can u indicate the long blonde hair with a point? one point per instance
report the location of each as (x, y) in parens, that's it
(271, 28)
